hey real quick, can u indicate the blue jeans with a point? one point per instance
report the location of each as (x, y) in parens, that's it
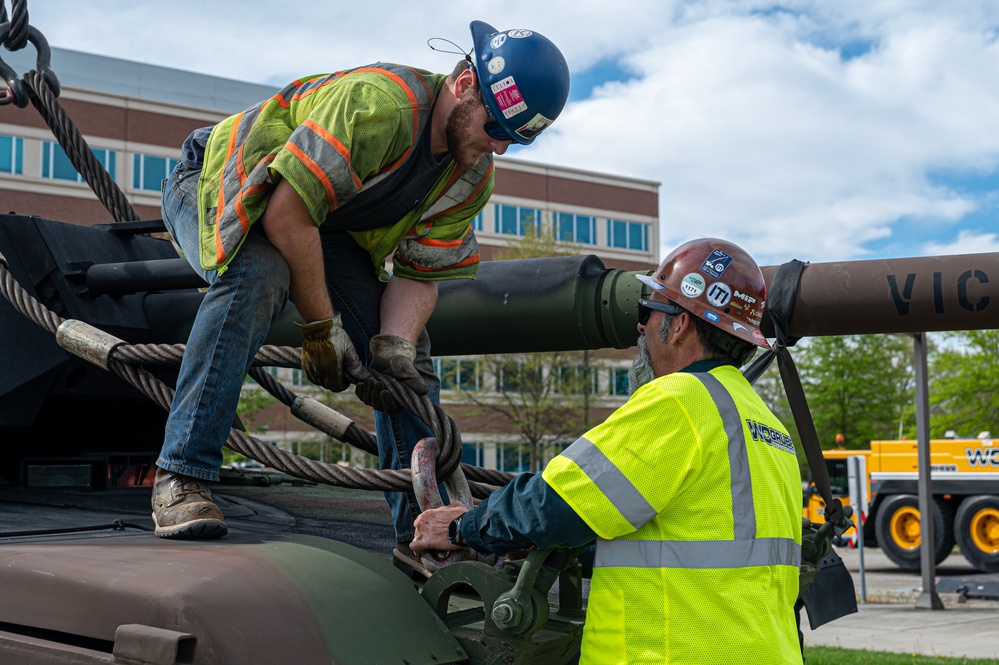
(232, 323)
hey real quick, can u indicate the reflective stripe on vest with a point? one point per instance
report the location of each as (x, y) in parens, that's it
(744, 551)
(610, 481)
(461, 190)
(697, 553)
(317, 148)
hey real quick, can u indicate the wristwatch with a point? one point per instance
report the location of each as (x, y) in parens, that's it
(454, 531)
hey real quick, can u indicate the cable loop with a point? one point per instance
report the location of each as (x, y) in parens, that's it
(17, 90)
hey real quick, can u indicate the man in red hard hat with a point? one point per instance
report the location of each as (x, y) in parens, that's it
(691, 490)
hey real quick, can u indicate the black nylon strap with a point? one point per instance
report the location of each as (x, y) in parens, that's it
(781, 297)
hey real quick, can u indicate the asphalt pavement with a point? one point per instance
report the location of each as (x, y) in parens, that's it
(967, 626)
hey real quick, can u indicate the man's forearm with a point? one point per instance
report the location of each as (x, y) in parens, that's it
(290, 228)
(524, 513)
(406, 307)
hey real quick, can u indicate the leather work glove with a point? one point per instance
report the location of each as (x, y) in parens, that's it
(392, 356)
(328, 356)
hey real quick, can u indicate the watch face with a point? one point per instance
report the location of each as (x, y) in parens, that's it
(454, 531)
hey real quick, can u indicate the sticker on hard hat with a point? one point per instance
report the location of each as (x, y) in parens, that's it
(758, 336)
(692, 285)
(519, 33)
(718, 294)
(712, 317)
(498, 40)
(496, 65)
(716, 263)
(508, 97)
(736, 326)
(533, 127)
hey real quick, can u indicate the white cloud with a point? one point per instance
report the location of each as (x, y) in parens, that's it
(745, 110)
(784, 147)
(967, 242)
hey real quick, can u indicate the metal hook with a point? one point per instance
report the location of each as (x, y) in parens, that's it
(17, 92)
(428, 496)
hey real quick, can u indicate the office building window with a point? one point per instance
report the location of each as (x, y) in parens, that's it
(56, 164)
(619, 381)
(517, 221)
(628, 235)
(11, 154)
(577, 380)
(521, 378)
(513, 457)
(457, 374)
(471, 453)
(149, 171)
(580, 229)
(477, 222)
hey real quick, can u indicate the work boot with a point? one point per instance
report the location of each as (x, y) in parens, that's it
(183, 508)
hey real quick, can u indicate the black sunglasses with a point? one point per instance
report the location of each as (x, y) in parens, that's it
(645, 308)
(492, 126)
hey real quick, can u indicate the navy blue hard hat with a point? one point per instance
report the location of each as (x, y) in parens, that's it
(523, 78)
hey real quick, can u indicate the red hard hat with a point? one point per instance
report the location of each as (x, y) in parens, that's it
(717, 281)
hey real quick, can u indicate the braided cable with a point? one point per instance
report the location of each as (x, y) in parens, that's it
(82, 157)
(18, 37)
(125, 358)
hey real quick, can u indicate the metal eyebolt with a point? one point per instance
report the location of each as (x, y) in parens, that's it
(17, 92)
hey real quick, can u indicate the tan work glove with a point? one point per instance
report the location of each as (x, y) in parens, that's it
(328, 356)
(393, 356)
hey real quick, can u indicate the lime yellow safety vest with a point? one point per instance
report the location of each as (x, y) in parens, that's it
(331, 136)
(694, 491)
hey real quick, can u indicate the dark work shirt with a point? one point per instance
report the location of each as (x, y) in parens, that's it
(529, 512)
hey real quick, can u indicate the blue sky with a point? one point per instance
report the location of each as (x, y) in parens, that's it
(815, 130)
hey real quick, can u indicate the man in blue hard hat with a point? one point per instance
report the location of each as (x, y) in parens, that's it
(305, 196)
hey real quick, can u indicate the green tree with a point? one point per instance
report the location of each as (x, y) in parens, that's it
(771, 390)
(544, 397)
(964, 377)
(539, 394)
(860, 386)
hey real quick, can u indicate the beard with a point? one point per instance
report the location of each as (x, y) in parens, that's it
(641, 368)
(458, 132)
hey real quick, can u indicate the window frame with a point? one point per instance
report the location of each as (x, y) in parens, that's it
(16, 154)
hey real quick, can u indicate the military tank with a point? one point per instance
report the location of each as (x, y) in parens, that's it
(84, 579)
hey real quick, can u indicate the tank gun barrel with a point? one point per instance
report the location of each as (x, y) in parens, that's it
(907, 295)
(574, 303)
(530, 305)
(543, 304)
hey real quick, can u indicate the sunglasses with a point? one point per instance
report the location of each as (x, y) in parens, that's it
(645, 308)
(492, 126)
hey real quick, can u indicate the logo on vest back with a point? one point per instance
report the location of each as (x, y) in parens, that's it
(770, 436)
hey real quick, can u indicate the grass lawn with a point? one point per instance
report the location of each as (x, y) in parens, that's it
(838, 656)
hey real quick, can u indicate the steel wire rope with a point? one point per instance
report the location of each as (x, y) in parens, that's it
(18, 37)
(125, 361)
(115, 201)
(82, 157)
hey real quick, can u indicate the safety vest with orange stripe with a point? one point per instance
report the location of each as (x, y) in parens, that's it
(698, 521)
(331, 136)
